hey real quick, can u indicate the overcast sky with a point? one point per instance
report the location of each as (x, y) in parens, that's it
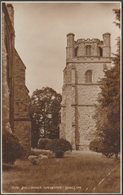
(41, 29)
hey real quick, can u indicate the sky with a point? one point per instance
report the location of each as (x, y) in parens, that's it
(40, 35)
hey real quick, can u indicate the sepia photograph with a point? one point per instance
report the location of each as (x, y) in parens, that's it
(61, 80)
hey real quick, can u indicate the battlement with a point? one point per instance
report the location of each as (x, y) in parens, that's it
(87, 40)
(88, 47)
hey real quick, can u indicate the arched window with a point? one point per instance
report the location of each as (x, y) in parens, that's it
(105, 67)
(88, 50)
(76, 51)
(100, 52)
(88, 76)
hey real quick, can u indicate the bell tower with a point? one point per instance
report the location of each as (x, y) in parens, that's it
(86, 60)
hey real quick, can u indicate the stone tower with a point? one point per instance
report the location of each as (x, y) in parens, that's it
(86, 60)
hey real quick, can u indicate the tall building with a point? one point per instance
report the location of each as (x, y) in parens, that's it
(86, 60)
(15, 93)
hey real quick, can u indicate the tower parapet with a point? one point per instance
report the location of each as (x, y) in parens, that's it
(88, 47)
(70, 46)
(107, 45)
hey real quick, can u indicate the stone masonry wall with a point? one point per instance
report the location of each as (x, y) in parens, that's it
(9, 36)
(87, 94)
(66, 116)
(22, 125)
(5, 88)
(97, 71)
(86, 125)
(22, 130)
(15, 93)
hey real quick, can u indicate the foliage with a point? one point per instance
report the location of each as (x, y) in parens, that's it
(12, 149)
(59, 154)
(60, 145)
(95, 145)
(55, 145)
(108, 108)
(45, 114)
(117, 14)
(43, 143)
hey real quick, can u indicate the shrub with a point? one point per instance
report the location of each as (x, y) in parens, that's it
(43, 143)
(11, 148)
(60, 145)
(59, 154)
(96, 145)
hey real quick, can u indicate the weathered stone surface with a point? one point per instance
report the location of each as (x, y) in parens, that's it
(22, 130)
(79, 96)
(30, 157)
(37, 152)
(41, 156)
(35, 160)
(15, 93)
(5, 88)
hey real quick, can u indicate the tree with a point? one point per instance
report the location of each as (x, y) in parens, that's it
(45, 114)
(108, 108)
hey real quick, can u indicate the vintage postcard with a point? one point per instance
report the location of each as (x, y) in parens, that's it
(61, 97)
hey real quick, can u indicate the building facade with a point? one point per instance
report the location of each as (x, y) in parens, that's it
(86, 60)
(15, 93)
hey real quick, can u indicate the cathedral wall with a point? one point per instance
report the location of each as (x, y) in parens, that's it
(67, 114)
(22, 130)
(67, 129)
(86, 125)
(15, 93)
(19, 71)
(5, 88)
(97, 71)
(87, 94)
(21, 107)
(63, 122)
(8, 43)
(22, 123)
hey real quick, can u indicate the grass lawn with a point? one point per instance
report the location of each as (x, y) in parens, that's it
(77, 172)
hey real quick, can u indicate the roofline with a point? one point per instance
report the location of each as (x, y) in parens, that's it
(4, 9)
(19, 58)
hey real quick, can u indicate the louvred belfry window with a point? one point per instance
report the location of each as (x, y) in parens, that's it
(88, 50)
